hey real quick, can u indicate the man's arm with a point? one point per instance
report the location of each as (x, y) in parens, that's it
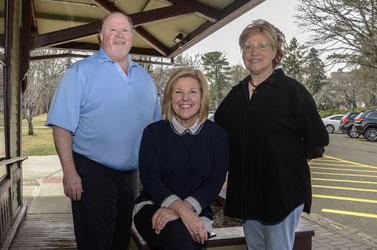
(71, 179)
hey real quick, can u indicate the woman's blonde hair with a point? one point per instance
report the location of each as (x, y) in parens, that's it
(273, 35)
(167, 110)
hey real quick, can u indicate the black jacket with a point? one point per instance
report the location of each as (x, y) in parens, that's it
(271, 137)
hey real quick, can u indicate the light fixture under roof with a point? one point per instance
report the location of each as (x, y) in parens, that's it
(178, 38)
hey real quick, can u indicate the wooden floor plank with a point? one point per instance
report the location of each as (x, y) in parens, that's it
(45, 233)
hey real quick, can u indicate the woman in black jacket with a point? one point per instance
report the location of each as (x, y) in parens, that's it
(274, 129)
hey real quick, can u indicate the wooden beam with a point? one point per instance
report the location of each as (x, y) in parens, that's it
(63, 36)
(33, 21)
(202, 10)
(2, 40)
(150, 3)
(106, 6)
(160, 14)
(95, 47)
(13, 160)
(24, 42)
(55, 17)
(144, 17)
(174, 11)
(78, 46)
(226, 15)
(151, 40)
(9, 9)
(154, 62)
(46, 57)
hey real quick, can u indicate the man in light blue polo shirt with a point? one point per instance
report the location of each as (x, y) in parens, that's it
(98, 114)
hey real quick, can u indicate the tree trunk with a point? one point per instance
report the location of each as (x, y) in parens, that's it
(29, 118)
(31, 129)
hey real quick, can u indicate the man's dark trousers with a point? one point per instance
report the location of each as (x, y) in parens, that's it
(103, 217)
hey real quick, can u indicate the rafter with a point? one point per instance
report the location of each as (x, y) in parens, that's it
(78, 46)
(45, 57)
(174, 11)
(148, 38)
(65, 18)
(63, 36)
(24, 51)
(229, 13)
(33, 21)
(95, 47)
(145, 17)
(2, 40)
(106, 6)
(202, 10)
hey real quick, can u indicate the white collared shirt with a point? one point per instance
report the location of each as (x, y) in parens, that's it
(180, 130)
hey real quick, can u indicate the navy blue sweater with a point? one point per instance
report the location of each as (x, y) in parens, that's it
(184, 165)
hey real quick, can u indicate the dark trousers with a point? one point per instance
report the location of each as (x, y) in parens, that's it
(103, 217)
(174, 236)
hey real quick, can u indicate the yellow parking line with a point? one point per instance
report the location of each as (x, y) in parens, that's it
(331, 157)
(342, 169)
(325, 210)
(343, 198)
(346, 188)
(340, 165)
(355, 175)
(336, 180)
(324, 160)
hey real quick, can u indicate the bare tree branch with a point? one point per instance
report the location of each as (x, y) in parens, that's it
(348, 29)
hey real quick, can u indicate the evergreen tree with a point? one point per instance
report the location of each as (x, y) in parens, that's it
(216, 68)
(237, 73)
(294, 60)
(315, 72)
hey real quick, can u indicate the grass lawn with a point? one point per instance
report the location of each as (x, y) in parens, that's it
(38, 121)
(42, 142)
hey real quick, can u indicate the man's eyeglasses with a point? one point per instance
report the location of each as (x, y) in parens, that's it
(259, 47)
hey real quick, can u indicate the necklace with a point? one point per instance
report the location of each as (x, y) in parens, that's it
(251, 89)
(252, 84)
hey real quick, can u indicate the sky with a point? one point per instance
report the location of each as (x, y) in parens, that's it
(278, 12)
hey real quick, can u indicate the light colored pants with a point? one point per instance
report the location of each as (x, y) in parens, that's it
(280, 236)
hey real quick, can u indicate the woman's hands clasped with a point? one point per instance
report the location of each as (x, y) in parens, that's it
(195, 226)
(162, 217)
(184, 211)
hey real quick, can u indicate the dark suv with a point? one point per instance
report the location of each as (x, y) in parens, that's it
(366, 124)
(346, 124)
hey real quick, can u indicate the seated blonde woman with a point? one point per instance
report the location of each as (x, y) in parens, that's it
(183, 162)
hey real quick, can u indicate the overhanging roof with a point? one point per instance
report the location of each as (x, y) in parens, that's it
(75, 24)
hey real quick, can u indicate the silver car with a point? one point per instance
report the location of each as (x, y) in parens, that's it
(332, 122)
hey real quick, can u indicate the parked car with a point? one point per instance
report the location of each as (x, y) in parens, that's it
(211, 115)
(346, 124)
(366, 124)
(332, 122)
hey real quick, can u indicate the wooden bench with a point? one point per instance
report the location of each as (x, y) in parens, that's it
(233, 238)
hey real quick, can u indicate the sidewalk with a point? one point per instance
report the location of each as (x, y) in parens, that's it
(48, 223)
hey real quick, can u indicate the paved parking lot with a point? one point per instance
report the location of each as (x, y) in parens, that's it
(345, 183)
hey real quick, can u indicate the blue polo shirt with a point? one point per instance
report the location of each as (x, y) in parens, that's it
(105, 109)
